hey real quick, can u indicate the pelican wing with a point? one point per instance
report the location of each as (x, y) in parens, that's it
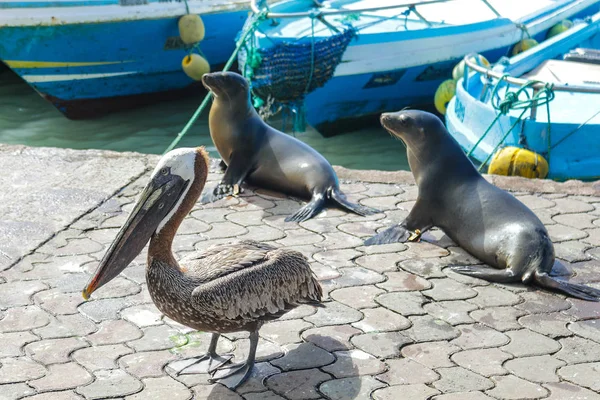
(222, 259)
(263, 284)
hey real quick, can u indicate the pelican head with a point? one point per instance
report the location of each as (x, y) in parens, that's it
(174, 187)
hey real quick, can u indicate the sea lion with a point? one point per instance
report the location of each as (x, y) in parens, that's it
(264, 156)
(486, 221)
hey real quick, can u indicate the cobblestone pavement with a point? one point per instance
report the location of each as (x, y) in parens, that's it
(397, 323)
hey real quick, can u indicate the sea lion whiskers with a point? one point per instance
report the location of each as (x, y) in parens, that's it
(229, 101)
(390, 131)
(398, 139)
(212, 92)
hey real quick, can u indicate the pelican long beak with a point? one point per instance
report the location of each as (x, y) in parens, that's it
(153, 205)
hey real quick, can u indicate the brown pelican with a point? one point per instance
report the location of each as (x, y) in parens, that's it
(226, 288)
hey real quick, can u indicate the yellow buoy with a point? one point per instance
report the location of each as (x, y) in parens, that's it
(191, 28)
(459, 69)
(559, 28)
(515, 161)
(195, 66)
(523, 45)
(444, 94)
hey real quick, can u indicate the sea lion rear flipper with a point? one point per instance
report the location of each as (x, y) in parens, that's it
(312, 208)
(575, 290)
(359, 209)
(487, 273)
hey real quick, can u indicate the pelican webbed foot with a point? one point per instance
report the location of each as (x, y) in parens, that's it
(209, 362)
(234, 375)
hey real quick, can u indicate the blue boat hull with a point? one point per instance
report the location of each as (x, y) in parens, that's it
(362, 96)
(93, 68)
(354, 97)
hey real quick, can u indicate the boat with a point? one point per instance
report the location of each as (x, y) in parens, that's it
(543, 103)
(90, 57)
(334, 62)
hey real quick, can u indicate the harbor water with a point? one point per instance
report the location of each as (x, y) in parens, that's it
(26, 118)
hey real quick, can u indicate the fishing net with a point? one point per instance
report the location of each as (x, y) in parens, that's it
(285, 72)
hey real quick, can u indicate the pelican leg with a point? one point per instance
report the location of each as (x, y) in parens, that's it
(238, 373)
(209, 362)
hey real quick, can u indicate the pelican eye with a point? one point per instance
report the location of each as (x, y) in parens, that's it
(164, 171)
(161, 206)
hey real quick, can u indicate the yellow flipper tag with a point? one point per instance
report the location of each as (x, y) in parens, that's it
(236, 189)
(416, 235)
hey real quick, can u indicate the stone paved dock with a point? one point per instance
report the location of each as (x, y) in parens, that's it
(397, 323)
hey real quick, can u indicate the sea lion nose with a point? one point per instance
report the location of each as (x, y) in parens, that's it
(385, 117)
(208, 78)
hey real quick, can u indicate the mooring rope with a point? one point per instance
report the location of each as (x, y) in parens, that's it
(511, 101)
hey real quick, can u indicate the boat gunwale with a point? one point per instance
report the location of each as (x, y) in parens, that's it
(323, 13)
(527, 21)
(581, 31)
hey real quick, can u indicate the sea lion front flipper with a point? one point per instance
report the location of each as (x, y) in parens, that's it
(394, 234)
(409, 230)
(575, 290)
(487, 273)
(359, 209)
(238, 169)
(312, 208)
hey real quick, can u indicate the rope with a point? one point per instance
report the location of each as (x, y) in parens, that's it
(256, 20)
(524, 30)
(406, 14)
(299, 124)
(575, 130)
(312, 52)
(512, 101)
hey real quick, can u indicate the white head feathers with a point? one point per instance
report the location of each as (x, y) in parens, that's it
(182, 162)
